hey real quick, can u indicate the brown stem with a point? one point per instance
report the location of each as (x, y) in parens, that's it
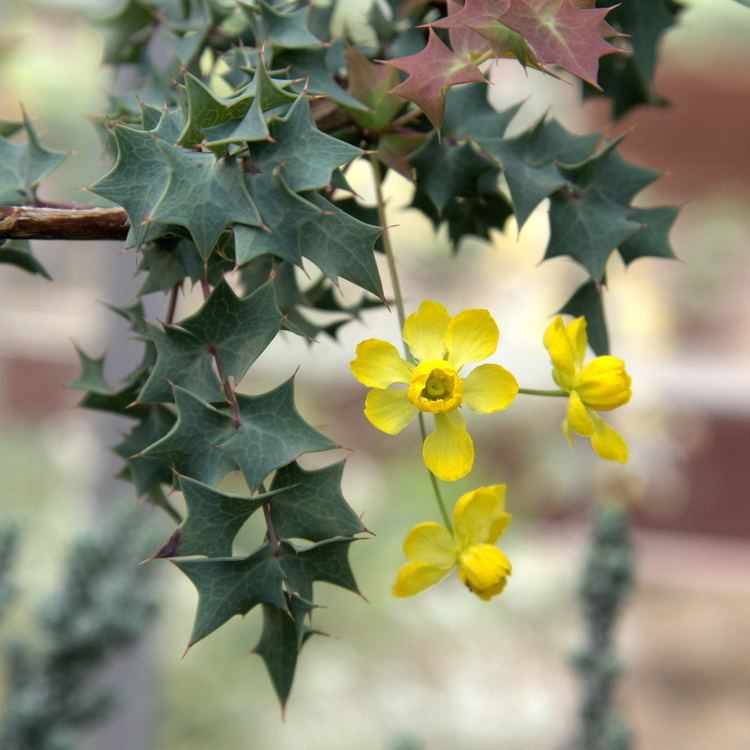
(172, 304)
(272, 536)
(43, 223)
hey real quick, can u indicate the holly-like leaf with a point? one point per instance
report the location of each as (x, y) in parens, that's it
(431, 73)
(192, 446)
(24, 166)
(136, 182)
(371, 83)
(91, 377)
(280, 642)
(18, 253)
(127, 31)
(592, 216)
(587, 301)
(475, 28)
(284, 213)
(446, 169)
(629, 81)
(279, 29)
(476, 215)
(652, 239)
(236, 330)
(560, 33)
(146, 473)
(314, 507)
(206, 110)
(181, 359)
(267, 95)
(326, 561)
(468, 114)
(394, 149)
(304, 156)
(213, 521)
(530, 162)
(204, 195)
(316, 69)
(271, 434)
(341, 245)
(229, 587)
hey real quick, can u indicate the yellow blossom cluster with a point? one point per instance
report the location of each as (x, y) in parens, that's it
(431, 381)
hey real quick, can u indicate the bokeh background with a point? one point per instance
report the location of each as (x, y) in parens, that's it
(444, 670)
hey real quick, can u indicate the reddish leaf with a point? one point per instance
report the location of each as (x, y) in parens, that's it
(431, 72)
(560, 33)
(465, 42)
(370, 83)
(476, 27)
(567, 33)
(394, 148)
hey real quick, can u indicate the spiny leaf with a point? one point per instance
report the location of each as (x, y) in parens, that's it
(181, 359)
(272, 434)
(476, 28)
(279, 647)
(326, 561)
(431, 72)
(267, 95)
(213, 520)
(236, 330)
(446, 169)
(341, 245)
(371, 83)
(279, 29)
(530, 162)
(314, 507)
(92, 374)
(137, 180)
(229, 587)
(394, 149)
(652, 239)
(304, 156)
(24, 166)
(127, 31)
(192, 445)
(146, 473)
(204, 195)
(587, 301)
(468, 114)
(206, 110)
(284, 212)
(561, 33)
(18, 253)
(316, 69)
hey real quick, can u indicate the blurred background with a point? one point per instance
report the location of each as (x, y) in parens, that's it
(443, 670)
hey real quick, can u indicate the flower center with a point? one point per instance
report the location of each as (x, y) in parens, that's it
(435, 387)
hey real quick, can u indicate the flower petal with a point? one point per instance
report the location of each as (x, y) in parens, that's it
(415, 577)
(484, 569)
(489, 388)
(578, 418)
(424, 331)
(566, 353)
(431, 543)
(448, 451)
(471, 337)
(378, 364)
(389, 410)
(608, 443)
(479, 516)
(604, 384)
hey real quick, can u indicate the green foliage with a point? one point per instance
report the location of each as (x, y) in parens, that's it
(18, 253)
(230, 151)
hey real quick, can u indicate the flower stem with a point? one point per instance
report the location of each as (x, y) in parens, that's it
(535, 392)
(399, 300)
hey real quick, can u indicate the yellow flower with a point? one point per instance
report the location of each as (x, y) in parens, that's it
(601, 385)
(479, 518)
(442, 345)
